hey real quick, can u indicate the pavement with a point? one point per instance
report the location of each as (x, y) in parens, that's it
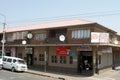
(63, 76)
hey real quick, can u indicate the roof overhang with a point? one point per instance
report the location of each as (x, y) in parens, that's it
(43, 45)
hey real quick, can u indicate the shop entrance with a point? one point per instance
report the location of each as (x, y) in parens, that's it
(29, 56)
(85, 61)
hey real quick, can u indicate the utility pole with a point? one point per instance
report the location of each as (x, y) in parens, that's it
(3, 38)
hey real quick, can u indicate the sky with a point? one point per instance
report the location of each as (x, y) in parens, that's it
(26, 12)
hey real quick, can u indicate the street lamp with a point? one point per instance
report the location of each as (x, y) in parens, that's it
(3, 39)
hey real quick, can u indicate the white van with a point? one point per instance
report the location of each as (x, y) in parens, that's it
(1, 59)
(14, 64)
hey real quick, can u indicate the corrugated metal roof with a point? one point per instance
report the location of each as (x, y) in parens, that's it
(48, 25)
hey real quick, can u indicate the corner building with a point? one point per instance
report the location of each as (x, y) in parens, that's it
(73, 46)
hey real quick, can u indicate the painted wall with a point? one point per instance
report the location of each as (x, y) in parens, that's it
(67, 64)
(37, 52)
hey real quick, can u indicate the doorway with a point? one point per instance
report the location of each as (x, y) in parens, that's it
(85, 61)
(29, 59)
(29, 56)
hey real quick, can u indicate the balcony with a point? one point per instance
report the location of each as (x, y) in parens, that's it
(54, 41)
(19, 41)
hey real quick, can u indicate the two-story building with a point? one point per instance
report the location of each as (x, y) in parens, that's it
(76, 46)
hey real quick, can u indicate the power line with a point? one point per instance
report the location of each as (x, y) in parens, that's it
(83, 15)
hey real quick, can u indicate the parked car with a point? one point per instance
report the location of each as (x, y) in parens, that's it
(1, 59)
(14, 64)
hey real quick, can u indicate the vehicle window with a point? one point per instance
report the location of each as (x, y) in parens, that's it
(9, 60)
(14, 60)
(21, 61)
(4, 59)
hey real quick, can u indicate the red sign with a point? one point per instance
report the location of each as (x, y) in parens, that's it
(62, 51)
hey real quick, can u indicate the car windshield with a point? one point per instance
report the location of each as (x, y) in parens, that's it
(21, 61)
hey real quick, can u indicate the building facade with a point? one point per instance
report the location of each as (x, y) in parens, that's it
(74, 46)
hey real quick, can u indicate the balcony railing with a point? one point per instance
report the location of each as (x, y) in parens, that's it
(54, 41)
(19, 41)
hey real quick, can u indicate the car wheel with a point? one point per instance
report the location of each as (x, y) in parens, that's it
(13, 69)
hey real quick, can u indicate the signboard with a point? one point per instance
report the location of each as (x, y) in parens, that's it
(62, 51)
(84, 48)
(99, 37)
(72, 53)
(106, 50)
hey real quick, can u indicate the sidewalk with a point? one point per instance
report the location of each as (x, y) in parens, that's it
(63, 76)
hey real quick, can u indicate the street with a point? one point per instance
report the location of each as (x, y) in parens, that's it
(8, 75)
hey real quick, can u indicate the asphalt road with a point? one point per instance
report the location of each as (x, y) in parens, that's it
(8, 75)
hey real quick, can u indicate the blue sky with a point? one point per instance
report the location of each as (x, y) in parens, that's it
(25, 12)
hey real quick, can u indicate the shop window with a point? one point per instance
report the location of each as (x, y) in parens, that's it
(71, 60)
(63, 59)
(41, 57)
(54, 59)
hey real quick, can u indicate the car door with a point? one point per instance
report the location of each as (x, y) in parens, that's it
(9, 63)
(4, 62)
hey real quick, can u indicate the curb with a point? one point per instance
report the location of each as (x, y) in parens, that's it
(40, 74)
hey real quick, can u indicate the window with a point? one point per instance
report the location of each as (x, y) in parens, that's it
(80, 34)
(71, 60)
(14, 60)
(40, 37)
(41, 57)
(19, 35)
(4, 59)
(88, 33)
(63, 59)
(54, 59)
(21, 61)
(9, 37)
(110, 38)
(73, 34)
(9, 60)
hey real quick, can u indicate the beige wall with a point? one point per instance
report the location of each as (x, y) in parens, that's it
(106, 60)
(37, 51)
(52, 52)
(21, 52)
